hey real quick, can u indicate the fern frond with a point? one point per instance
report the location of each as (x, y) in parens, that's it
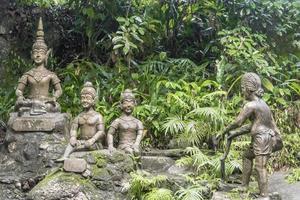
(159, 194)
(174, 125)
(194, 192)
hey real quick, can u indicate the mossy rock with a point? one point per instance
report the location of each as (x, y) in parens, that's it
(100, 174)
(61, 185)
(118, 156)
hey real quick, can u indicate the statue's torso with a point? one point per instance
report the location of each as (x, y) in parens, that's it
(262, 118)
(87, 123)
(127, 128)
(38, 81)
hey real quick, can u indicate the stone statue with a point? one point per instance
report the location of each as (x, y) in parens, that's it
(129, 128)
(88, 127)
(263, 130)
(39, 111)
(38, 80)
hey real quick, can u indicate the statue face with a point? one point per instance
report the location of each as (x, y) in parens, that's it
(245, 92)
(39, 56)
(128, 106)
(87, 100)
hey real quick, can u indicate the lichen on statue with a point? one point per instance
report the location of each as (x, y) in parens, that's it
(129, 129)
(38, 80)
(89, 124)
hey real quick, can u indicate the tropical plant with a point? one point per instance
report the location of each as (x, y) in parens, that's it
(144, 186)
(293, 176)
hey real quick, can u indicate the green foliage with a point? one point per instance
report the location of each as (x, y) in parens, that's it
(144, 186)
(293, 176)
(194, 192)
(159, 194)
(210, 164)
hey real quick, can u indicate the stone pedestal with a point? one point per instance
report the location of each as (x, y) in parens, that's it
(25, 159)
(49, 122)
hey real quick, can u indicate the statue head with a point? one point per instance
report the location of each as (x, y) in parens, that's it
(251, 85)
(39, 48)
(88, 95)
(127, 101)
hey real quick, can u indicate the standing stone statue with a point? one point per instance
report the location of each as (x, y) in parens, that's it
(39, 110)
(38, 80)
(263, 130)
(129, 128)
(88, 127)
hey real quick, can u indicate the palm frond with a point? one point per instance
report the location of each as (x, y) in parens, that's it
(194, 192)
(174, 125)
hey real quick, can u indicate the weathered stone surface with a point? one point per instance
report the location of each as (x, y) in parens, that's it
(75, 165)
(65, 186)
(26, 124)
(175, 170)
(50, 122)
(173, 153)
(103, 179)
(23, 162)
(156, 163)
(277, 183)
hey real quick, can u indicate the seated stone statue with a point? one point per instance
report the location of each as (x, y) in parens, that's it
(38, 80)
(129, 128)
(88, 127)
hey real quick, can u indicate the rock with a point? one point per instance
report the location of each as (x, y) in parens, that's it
(173, 153)
(100, 174)
(156, 163)
(220, 196)
(65, 186)
(3, 30)
(91, 159)
(174, 169)
(75, 165)
(31, 151)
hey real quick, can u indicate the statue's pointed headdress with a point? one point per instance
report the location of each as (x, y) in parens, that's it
(40, 41)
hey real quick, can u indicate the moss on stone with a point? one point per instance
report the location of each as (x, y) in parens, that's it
(100, 158)
(64, 177)
(117, 156)
(100, 173)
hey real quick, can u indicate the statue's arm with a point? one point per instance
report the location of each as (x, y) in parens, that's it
(242, 117)
(73, 132)
(21, 86)
(112, 130)
(240, 131)
(139, 136)
(57, 86)
(100, 130)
